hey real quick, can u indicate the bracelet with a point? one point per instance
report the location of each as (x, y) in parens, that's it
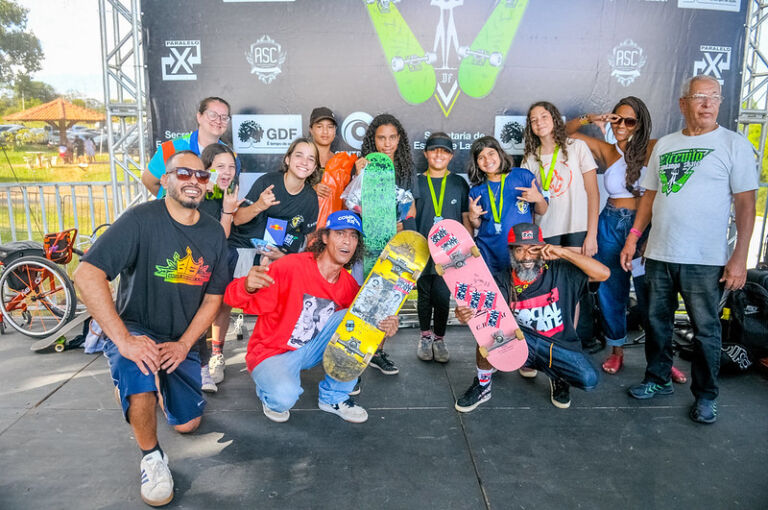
(225, 212)
(636, 232)
(584, 120)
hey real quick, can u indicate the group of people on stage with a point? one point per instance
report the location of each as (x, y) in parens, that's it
(185, 261)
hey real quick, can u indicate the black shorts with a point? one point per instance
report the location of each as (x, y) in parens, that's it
(572, 240)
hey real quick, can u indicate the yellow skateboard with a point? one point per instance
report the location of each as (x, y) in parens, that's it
(383, 293)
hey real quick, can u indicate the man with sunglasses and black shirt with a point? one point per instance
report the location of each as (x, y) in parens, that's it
(172, 263)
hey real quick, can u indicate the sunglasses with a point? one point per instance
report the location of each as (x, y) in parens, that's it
(630, 122)
(184, 174)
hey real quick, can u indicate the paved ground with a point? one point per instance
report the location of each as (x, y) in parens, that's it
(64, 444)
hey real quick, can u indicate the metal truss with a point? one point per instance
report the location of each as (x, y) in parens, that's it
(753, 105)
(125, 99)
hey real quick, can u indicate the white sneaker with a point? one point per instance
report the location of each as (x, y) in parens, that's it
(156, 480)
(208, 385)
(528, 373)
(274, 415)
(348, 410)
(216, 368)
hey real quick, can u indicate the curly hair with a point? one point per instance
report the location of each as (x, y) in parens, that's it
(316, 245)
(474, 174)
(533, 143)
(402, 160)
(315, 176)
(637, 145)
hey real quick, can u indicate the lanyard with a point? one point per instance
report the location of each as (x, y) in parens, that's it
(438, 205)
(497, 213)
(546, 181)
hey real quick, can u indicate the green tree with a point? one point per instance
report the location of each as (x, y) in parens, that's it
(29, 89)
(20, 51)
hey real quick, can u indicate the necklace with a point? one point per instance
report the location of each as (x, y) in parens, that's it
(521, 285)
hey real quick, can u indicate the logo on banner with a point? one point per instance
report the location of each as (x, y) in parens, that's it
(626, 60)
(266, 58)
(180, 62)
(354, 127)
(265, 134)
(711, 5)
(715, 60)
(508, 129)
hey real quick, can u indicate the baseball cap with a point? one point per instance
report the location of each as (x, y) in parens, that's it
(341, 220)
(321, 113)
(436, 140)
(525, 233)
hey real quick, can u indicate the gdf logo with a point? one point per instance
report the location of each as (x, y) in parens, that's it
(265, 134)
(714, 61)
(266, 58)
(178, 65)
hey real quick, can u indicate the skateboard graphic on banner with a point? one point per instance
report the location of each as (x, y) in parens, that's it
(383, 293)
(482, 61)
(378, 207)
(411, 66)
(457, 259)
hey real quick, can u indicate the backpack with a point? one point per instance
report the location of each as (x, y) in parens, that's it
(749, 318)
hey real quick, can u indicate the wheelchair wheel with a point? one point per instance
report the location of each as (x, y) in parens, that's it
(36, 296)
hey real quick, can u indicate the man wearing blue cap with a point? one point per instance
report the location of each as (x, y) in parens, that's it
(300, 300)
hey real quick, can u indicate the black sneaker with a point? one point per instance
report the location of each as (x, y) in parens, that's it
(560, 393)
(357, 389)
(381, 361)
(473, 397)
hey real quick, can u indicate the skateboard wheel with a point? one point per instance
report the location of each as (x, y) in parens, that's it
(398, 64)
(431, 57)
(463, 51)
(483, 351)
(519, 334)
(59, 347)
(439, 269)
(495, 59)
(475, 251)
(416, 274)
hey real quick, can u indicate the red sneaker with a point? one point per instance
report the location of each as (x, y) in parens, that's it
(677, 376)
(613, 363)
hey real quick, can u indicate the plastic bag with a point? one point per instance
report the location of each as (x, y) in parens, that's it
(336, 176)
(353, 194)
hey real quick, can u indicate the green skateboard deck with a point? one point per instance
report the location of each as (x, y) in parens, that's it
(378, 205)
(411, 65)
(482, 62)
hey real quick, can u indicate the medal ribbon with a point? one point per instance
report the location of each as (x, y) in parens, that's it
(546, 181)
(497, 212)
(438, 205)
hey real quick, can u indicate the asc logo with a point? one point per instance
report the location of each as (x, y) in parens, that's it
(178, 65)
(714, 61)
(266, 58)
(626, 60)
(265, 134)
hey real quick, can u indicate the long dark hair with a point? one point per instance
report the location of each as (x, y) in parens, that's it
(213, 150)
(402, 160)
(532, 142)
(477, 176)
(637, 145)
(315, 176)
(316, 246)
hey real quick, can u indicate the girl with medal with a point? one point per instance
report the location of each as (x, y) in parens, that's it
(501, 197)
(439, 194)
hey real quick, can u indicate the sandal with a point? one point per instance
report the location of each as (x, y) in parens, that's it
(677, 376)
(613, 363)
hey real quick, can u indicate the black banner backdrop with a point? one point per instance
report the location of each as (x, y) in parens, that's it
(467, 67)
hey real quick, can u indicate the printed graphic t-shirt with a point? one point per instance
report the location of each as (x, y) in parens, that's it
(567, 211)
(300, 211)
(694, 178)
(293, 309)
(548, 304)
(494, 246)
(165, 267)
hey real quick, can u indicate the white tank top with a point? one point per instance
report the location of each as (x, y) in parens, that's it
(615, 178)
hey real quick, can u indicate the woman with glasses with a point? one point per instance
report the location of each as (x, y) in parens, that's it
(624, 164)
(213, 115)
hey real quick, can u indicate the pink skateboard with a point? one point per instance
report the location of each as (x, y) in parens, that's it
(457, 259)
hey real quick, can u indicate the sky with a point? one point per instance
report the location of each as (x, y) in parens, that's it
(68, 31)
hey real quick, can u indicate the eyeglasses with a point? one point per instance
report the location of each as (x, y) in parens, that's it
(630, 122)
(702, 98)
(184, 174)
(211, 115)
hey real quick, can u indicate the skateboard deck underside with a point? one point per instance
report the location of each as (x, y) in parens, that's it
(378, 204)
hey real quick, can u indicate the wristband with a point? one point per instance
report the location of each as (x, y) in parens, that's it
(636, 232)
(584, 120)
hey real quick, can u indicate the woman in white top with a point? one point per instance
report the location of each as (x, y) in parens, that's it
(625, 163)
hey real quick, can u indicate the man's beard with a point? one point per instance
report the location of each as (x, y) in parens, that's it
(189, 203)
(524, 273)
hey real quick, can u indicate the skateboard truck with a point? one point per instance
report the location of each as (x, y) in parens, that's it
(353, 347)
(413, 62)
(398, 266)
(457, 260)
(480, 56)
(383, 4)
(499, 340)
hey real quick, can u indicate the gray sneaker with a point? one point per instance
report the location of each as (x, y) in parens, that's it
(347, 410)
(440, 352)
(424, 348)
(275, 416)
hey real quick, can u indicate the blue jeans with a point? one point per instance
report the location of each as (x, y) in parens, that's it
(278, 378)
(700, 288)
(612, 231)
(574, 367)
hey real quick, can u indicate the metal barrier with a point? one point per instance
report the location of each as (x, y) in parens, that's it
(32, 209)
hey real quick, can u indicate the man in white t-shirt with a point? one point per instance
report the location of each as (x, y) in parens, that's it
(693, 175)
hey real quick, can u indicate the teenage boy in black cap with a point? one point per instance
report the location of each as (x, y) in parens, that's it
(439, 194)
(544, 285)
(322, 129)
